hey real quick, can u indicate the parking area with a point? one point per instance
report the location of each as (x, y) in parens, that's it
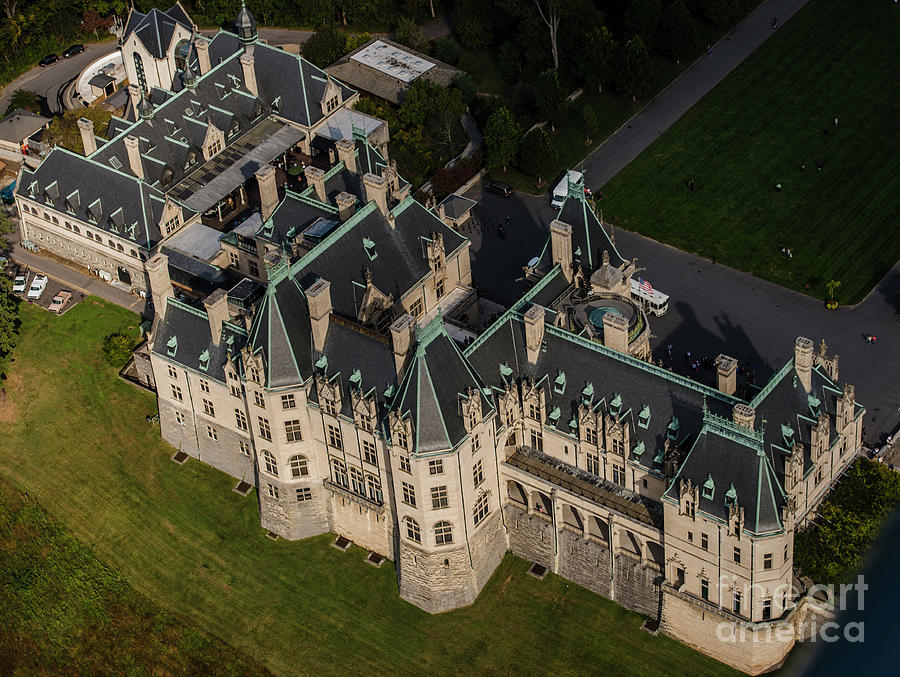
(53, 288)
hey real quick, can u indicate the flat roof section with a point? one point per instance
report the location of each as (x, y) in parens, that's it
(393, 61)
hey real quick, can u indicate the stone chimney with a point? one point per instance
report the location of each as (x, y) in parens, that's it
(561, 246)
(615, 332)
(803, 361)
(402, 331)
(376, 189)
(134, 96)
(133, 146)
(249, 70)
(202, 47)
(346, 203)
(216, 305)
(88, 140)
(315, 177)
(442, 213)
(160, 283)
(534, 332)
(318, 296)
(726, 369)
(268, 190)
(744, 414)
(346, 151)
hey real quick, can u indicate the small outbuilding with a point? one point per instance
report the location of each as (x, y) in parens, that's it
(455, 210)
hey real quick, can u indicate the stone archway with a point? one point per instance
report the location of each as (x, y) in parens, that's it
(516, 493)
(571, 518)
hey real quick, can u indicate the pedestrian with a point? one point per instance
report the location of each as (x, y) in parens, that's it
(835, 123)
(789, 254)
(691, 185)
(820, 164)
(774, 23)
(802, 166)
(709, 50)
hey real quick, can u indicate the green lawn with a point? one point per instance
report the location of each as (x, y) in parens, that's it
(75, 438)
(755, 129)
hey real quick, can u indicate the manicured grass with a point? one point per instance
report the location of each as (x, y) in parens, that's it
(76, 439)
(756, 128)
(63, 612)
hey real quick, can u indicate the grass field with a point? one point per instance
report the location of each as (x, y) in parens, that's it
(75, 438)
(774, 113)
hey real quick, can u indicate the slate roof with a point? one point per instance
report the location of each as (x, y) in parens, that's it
(156, 28)
(457, 206)
(20, 124)
(433, 384)
(190, 327)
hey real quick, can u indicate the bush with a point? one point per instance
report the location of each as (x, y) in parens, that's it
(446, 49)
(471, 24)
(117, 348)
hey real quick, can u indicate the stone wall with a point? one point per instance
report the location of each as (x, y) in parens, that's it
(182, 436)
(637, 586)
(361, 522)
(584, 561)
(530, 536)
(226, 455)
(289, 518)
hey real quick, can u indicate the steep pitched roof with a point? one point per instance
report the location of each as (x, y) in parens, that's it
(156, 28)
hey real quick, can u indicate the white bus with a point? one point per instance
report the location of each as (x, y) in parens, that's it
(653, 301)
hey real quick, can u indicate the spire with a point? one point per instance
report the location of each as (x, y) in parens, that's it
(189, 77)
(145, 108)
(245, 25)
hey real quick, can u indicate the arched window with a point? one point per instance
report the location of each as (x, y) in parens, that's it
(340, 473)
(443, 533)
(357, 482)
(480, 511)
(182, 50)
(139, 71)
(412, 530)
(270, 462)
(299, 466)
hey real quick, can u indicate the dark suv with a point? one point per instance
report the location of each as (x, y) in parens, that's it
(72, 51)
(47, 60)
(500, 188)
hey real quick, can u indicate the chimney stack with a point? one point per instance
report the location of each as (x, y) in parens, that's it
(315, 177)
(402, 340)
(803, 361)
(134, 96)
(346, 151)
(133, 146)
(249, 70)
(346, 203)
(268, 191)
(561, 246)
(534, 332)
(318, 296)
(615, 332)
(216, 305)
(744, 414)
(726, 368)
(88, 140)
(202, 47)
(160, 283)
(376, 189)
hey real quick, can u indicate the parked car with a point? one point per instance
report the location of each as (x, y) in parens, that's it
(60, 301)
(20, 284)
(72, 51)
(500, 188)
(38, 285)
(47, 60)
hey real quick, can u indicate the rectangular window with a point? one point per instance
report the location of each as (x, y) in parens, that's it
(374, 487)
(767, 560)
(409, 494)
(534, 412)
(369, 453)
(478, 472)
(173, 373)
(258, 399)
(439, 288)
(304, 494)
(704, 589)
(240, 419)
(204, 386)
(264, 430)
(179, 418)
(436, 467)
(329, 406)
(416, 308)
(404, 464)
(288, 402)
(235, 261)
(176, 393)
(480, 511)
(537, 441)
(736, 602)
(272, 490)
(334, 437)
(292, 430)
(510, 415)
(590, 435)
(212, 433)
(244, 447)
(208, 408)
(439, 497)
(476, 443)
(690, 537)
(767, 610)
(618, 447)
(235, 390)
(618, 474)
(593, 464)
(704, 541)
(253, 267)
(737, 555)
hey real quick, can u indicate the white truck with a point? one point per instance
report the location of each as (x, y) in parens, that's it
(561, 192)
(651, 300)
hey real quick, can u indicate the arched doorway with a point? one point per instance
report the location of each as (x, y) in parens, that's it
(124, 275)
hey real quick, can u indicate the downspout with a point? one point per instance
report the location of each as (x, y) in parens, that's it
(462, 498)
(187, 379)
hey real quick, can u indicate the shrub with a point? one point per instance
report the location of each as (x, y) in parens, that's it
(117, 348)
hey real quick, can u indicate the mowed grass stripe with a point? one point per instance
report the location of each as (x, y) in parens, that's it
(75, 437)
(773, 113)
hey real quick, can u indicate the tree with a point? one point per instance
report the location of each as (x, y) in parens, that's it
(599, 62)
(550, 97)
(676, 35)
(326, 46)
(471, 24)
(63, 131)
(117, 348)
(591, 123)
(9, 305)
(501, 139)
(446, 49)
(537, 156)
(633, 68)
(718, 11)
(408, 33)
(551, 13)
(642, 18)
(22, 98)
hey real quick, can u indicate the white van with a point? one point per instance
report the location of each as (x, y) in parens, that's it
(561, 192)
(653, 301)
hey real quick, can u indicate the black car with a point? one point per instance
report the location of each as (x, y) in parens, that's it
(47, 60)
(499, 188)
(72, 51)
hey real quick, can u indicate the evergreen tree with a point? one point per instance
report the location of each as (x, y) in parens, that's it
(537, 156)
(642, 18)
(676, 35)
(501, 139)
(326, 46)
(633, 68)
(591, 123)
(550, 97)
(599, 60)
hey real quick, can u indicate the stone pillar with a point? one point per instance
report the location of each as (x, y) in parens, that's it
(376, 189)
(268, 190)
(318, 296)
(615, 332)
(315, 177)
(132, 145)
(561, 246)
(249, 70)
(402, 340)
(202, 47)
(134, 97)
(726, 370)
(216, 305)
(744, 414)
(803, 361)
(346, 151)
(160, 283)
(534, 332)
(88, 140)
(346, 204)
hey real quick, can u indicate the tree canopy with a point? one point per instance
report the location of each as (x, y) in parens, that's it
(633, 68)
(501, 139)
(536, 153)
(63, 130)
(550, 96)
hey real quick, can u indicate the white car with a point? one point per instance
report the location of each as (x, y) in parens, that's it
(20, 284)
(38, 285)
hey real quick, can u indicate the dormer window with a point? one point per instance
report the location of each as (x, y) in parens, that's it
(709, 487)
(615, 406)
(204, 360)
(322, 363)
(214, 147)
(638, 450)
(276, 104)
(587, 394)
(172, 346)
(555, 413)
(356, 378)
(672, 430)
(788, 434)
(171, 225)
(644, 417)
(369, 246)
(731, 495)
(559, 383)
(331, 104)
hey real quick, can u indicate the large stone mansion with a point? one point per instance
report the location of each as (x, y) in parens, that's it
(339, 367)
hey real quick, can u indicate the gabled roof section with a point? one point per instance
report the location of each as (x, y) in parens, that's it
(156, 28)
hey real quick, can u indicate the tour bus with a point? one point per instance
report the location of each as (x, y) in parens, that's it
(562, 188)
(653, 301)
